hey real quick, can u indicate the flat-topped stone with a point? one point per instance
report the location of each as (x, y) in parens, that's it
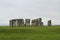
(27, 22)
(49, 23)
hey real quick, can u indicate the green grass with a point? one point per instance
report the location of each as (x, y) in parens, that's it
(30, 33)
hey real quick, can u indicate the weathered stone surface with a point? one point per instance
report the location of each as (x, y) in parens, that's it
(49, 23)
(27, 22)
(35, 22)
(13, 22)
(17, 22)
(10, 23)
(39, 21)
(20, 22)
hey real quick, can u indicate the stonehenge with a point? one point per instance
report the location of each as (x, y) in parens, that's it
(40, 23)
(34, 22)
(10, 23)
(17, 22)
(37, 22)
(27, 22)
(49, 23)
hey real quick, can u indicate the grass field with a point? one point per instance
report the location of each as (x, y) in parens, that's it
(30, 33)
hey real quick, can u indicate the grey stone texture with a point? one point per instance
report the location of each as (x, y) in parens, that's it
(10, 23)
(34, 22)
(40, 22)
(20, 22)
(37, 22)
(27, 22)
(49, 23)
(16, 22)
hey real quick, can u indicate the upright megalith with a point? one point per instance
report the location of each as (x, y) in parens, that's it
(11, 23)
(34, 22)
(49, 23)
(27, 22)
(40, 23)
(20, 22)
(16, 22)
(39, 20)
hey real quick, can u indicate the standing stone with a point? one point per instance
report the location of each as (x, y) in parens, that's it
(27, 22)
(11, 23)
(20, 22)
(16, 22)
(35, 22)
(32, 22)
(39, 21)
(49, 23)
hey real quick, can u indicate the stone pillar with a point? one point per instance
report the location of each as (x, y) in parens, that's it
(11, 23)
(49, 23)
(20, 22)
(39, 21)
(14, 22)
(27, 22)
(32, 22)
(35, 22)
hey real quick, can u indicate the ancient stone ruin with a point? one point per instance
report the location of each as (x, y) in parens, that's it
(40, 23)
(27, 22)
(17, 22)
(37, 22)
(34, 22)
(49, 23)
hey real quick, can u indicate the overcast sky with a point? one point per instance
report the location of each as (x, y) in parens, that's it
(45, 9)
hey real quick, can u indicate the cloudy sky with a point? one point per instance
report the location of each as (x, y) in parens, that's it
(45, 9)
